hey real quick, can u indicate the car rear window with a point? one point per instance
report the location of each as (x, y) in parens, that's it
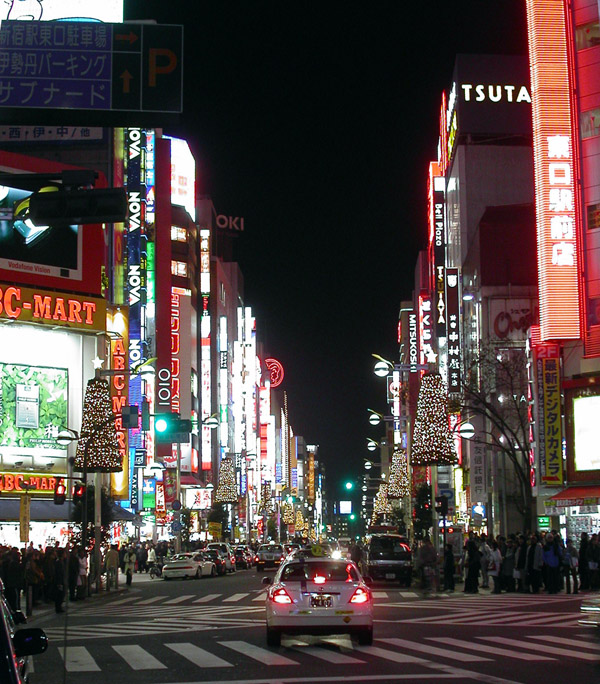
(273, 548)
(389, 546)
(334, 572)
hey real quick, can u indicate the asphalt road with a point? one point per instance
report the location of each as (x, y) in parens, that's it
(212, 630)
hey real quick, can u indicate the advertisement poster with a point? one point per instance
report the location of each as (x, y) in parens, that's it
(33, 408)
(552, 466)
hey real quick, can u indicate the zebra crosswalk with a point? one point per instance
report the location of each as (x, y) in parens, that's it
(336, 651)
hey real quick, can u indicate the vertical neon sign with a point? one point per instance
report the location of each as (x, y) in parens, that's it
(205, 377)
(554, 171)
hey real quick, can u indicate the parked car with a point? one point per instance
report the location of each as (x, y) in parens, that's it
(217, 558)
(319, 595)
(185, 565)
(388, 557)
(227, 552)
(269, 556)
(15, 647)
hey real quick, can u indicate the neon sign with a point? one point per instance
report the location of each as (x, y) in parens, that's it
(554, 171)
(275, 372)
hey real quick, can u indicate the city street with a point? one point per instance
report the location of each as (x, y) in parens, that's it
(212, 630)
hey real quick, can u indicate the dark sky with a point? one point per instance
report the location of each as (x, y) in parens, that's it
(316, 120)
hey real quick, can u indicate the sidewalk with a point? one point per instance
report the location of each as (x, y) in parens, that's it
(45, 610)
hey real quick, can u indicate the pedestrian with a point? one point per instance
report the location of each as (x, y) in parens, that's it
(449, 568)
(73, 573)
(356, 553)
(593, 562)
(584, 572)
(82, 579)
(427, 559)
(520, 571)
(534, 564)
(486, 555)
(59, 578)
(494, 565)
(570, 568)
(552, 562)
(111, 564)
(129, 564)
(13, 578)
(508, 566)
(473, 565)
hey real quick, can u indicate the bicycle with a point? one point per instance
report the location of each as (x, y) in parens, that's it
(155, 570)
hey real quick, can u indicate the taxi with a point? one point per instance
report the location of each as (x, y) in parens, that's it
(319, 595)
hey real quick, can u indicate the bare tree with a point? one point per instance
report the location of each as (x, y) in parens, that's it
(495, 387)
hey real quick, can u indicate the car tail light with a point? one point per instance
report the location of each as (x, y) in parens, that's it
(281, 596)
(256, 558)
(360, 596)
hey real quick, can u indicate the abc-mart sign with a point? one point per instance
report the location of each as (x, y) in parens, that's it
(28, 305)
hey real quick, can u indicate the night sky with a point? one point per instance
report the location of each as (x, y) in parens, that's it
(316, 122)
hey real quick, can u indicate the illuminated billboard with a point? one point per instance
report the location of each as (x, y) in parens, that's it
(183, 176)
(33, 409)
(110, 11)
(586, 432)
(554, 171)
(345, 507)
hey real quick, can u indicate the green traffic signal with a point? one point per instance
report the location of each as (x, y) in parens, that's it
(349, 485)
(352, 516)
(169, 427)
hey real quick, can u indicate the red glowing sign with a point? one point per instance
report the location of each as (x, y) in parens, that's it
(275, 370)
(554, 171)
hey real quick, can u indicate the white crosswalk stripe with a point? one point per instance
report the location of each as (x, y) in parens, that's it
(432, 650)
(260, 597)
(536, 647)
(260, 654)
(235, 597)
(579, 643)
(380, 594)
(154, 599)
(78, 659)
(138, 658)
(198, 655)
(470, 646)
(207, 598)
(180, 599)
(330, 656)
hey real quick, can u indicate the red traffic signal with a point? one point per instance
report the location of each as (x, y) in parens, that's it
(78, 492)
(60, 493)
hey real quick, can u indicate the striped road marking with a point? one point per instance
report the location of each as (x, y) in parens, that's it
(469, 646)
(432, 650)
(260, 654)
(537, 647)
(78, 659)
(138, 658)
(180, 599)
(208, 597)
(235, 597)
(198, 656)
(154, 599)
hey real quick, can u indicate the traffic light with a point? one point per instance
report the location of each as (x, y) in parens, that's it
(441, 505)
(102, 205)
(169, 427)
(78, 492)
(349, 485)
(60, 493)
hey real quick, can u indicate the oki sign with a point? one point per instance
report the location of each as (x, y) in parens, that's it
(554, 171)
(39, 306)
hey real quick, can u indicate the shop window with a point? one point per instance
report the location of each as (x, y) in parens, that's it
(179, 268)
(587, 35)
(178, 234)
(593, 216)
(589, 123)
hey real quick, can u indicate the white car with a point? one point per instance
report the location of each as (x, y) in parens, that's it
(319, 596)
(184, 565)
(226, 553)
(269, 556)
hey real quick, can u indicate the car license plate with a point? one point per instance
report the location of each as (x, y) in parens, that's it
(321, 601)
(390, 575)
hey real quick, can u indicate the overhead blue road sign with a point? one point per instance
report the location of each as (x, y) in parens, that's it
(81, 65)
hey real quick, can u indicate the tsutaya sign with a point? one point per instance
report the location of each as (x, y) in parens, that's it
(495, 93)
(554, 171)
(28, 305)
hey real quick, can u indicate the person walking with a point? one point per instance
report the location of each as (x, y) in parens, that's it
(494, 565)
(111, 563)
(570, 566)
(73, 573)
(486, 555)
(60, 579)
(13, 577)
(449, 568)
(520, 571)
(473, 565)
(82, 579)
(552, 561)
(534, 564)
(508, 566)
(593, 562)
(129, 564)
(584, 571)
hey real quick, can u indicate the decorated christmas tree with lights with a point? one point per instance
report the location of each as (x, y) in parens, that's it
(265, 505)
(382, 505)
(432, 441)
(299, 521)
(399, 483)
(287, 513)
(227, 487)
(98, 448)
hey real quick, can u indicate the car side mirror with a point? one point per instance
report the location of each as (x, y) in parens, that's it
(368, 580)
(266, 580)
(30, 642)
(19, 617)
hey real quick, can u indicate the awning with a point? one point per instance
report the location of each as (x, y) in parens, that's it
(577, 496)
(41, 510)
(45, 510)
